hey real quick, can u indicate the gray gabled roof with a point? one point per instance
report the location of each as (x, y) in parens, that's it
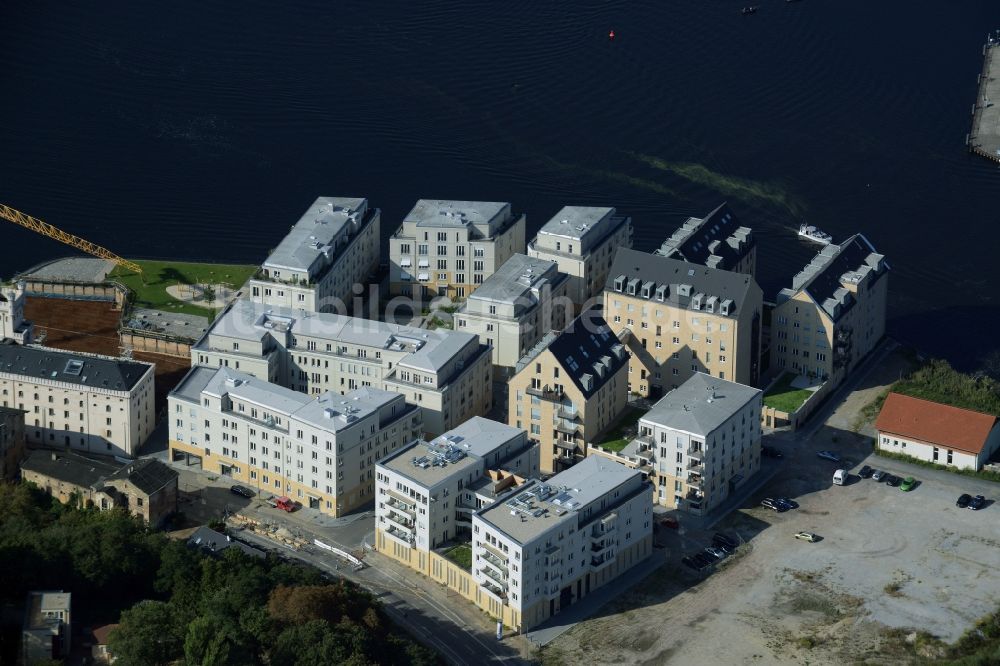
(146, 474)
(70, 467)
(700, 405)
(99, 372)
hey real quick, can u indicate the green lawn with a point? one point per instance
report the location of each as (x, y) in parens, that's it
(614, 439)
(461, 555)
(783, 396)
(151, 287)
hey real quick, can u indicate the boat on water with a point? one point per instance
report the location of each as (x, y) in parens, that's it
(747, 11)
(813, 234)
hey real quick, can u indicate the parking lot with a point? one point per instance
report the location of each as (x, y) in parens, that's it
(888, 562)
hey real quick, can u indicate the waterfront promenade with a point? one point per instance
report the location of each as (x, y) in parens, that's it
(984, 139)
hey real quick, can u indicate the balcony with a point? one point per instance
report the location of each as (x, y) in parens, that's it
(497, 578)
(694, 464)
(696, 452)
(400, 520)
(493, 589)
(545, 393)
(602, 545)
(567, 428)
(400, 505)
(406, 537)
(695, 481)
(495, 561)
(570, 414)
(599, 561)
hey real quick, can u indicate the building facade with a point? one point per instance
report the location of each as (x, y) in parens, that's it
(546, 546)
(13, 326)
(582, 240)
(698, 444)
(47, 627)
(569, 388)
(834, 313)
(678, 319)
(717, 240)
(319, 450)
(89, 403)
(145, 488)
(447, 374)
(332, 248)
(11, 442)
(448, 248)
(514, 308)
(428, 491)
(937, 433)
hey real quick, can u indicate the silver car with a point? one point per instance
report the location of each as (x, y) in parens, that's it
(878, 475)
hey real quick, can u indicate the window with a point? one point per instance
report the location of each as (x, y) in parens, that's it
(442, 250)
(422, 249)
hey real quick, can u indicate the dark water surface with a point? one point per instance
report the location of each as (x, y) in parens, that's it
(203, 130)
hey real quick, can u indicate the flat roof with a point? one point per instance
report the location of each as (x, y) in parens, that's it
(45, 601)
(172, 323)
(536, 507)
(576, 221)
(701, 404)
(516, 278)
(448, 213)
(57, 365)
(454, 452)
(318, 227)
(427, 350)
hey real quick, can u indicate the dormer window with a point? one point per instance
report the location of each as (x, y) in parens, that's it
(620, 283)
(633, 286)
(647, 289)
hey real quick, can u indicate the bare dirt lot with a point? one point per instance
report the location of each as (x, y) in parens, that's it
(889, 562)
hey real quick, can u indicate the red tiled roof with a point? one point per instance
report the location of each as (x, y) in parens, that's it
(934, 423)
(101, 633)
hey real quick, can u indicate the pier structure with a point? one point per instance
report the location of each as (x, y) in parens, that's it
(984, 139)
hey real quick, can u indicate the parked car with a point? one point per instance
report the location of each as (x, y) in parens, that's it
(963, 500)
(771, 452)
(892, 480)
(878, 475)
(866, 472)
(703, 559)
(773, 505)
(719, 537)
(807, 536)
(828, 455)
(689, 562)
(242, 491)
(977, 502)
(787, 503)
(715, 552)
(286, 504)
(909, 483)
(840, 477)
(670, 522)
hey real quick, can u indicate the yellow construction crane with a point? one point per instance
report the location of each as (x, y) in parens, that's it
(46, 229)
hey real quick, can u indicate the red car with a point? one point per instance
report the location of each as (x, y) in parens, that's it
(286, 504)
(670, 522)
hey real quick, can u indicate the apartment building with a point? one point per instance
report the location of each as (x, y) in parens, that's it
(678, 318)
(86, 402)
(447, 374)
(582, 240)
(319, 450)
(334, 246)
(717, 240)
(698, 444)
(428, 491)
(11, 442)
(513, 308)
(47, 631)
(13, 326)
(448, 248)
(548, 545)
(834, 313)
(569, 388)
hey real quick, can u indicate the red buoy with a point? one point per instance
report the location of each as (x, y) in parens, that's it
(611, 35)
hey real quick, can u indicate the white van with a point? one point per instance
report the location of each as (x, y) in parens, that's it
(840, 477)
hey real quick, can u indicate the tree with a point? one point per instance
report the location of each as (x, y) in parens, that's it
(216, 640)
(147, 634)
(317, 643)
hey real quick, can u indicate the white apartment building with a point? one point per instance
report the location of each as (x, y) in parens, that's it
(12, 323)
(334, 246)
(86, 402)
(547, 545)
(428, 491)
(582, 240)
(448, 248)
(320, 451)
(446, 373)
(700, 442)
(513, 308)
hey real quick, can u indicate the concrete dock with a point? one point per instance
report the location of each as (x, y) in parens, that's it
(984, 139)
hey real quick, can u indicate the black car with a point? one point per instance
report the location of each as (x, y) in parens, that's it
(689, 562)
(242, 491)
(722, 541)
(963, 500)
(977, 502)
(773, 505)
(892, 480)
(703, 559)
(866, 472)
(787, 503)
(771, 452)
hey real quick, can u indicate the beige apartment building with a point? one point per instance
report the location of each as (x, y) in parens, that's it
(569, 388)
(717, 240)
(85, 402)
(448, 248)
(318, 451)
(513, 308)
(834, 313)
(447, 374)
(582, 240)
(334, 246)
(13, 326)
(679, 318)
